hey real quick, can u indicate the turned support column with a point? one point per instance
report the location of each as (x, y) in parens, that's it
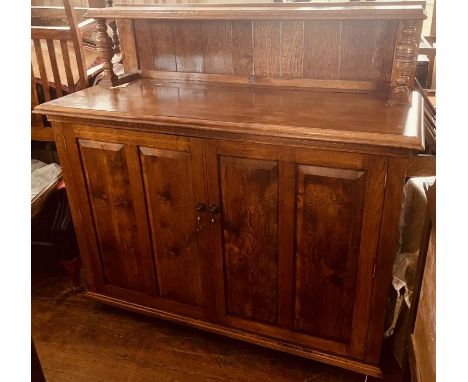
(405, 61)
(106, 52)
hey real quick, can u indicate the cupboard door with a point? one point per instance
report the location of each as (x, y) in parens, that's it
(329, 207)
(138, 199)
(245, 234)
(122, 237)
(249, 199)
(174, 188)
(337, 224)
(297, 239)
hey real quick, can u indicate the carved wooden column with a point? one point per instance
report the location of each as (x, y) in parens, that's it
(106, 52)
(404, 64)
(113, 25)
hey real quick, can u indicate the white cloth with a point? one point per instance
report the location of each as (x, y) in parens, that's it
(42, 176)
(412, 217)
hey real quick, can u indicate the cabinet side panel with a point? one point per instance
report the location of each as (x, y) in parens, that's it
(249, 195)
(107, 178)
(168, 182)
(328, 224)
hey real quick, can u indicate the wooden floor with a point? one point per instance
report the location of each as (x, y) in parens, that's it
(81, 340)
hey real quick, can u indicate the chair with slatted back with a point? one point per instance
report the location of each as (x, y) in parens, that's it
(58, 65)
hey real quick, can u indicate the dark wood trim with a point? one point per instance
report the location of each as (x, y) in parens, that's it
(72, 194)
(262, 12)
(372, 214)
(286, 244)
(396, 174)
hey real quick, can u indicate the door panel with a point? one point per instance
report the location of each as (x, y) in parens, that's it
(329, 206)
(123, 256)
(249, 198)
(296, 241)
(171, 198)
(143, 214)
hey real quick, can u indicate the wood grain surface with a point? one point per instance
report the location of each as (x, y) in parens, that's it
(106, 169)
(245, 178)
(352, 47)
(188, 47)
(171, 199)
(254, 111)
(329, 217)
(80, 339)
(308, 284)
(249, 197)
(266, 12)
(322, 56)
(341, 50)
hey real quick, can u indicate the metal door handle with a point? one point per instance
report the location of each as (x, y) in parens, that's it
(214, 209)
(200, 207)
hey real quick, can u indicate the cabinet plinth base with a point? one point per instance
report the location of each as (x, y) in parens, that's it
(267, 342)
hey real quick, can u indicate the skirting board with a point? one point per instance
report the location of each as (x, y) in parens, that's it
(256, 339)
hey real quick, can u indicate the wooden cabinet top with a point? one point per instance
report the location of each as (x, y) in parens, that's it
(214, 110)
(283, 73)
(296, 11)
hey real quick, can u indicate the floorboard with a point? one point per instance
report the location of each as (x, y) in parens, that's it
(79, 340)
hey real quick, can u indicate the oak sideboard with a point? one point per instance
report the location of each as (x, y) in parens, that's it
(244, 176)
